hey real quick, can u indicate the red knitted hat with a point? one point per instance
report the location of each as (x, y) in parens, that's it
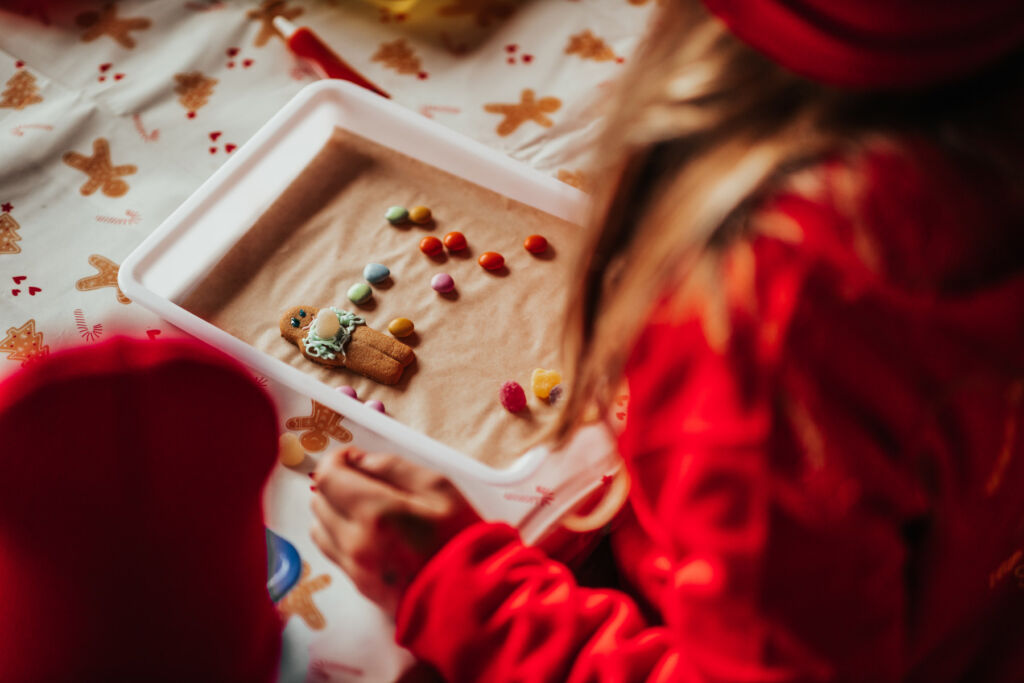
(877, 44)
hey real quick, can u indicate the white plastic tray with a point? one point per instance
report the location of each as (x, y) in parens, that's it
(179, 253)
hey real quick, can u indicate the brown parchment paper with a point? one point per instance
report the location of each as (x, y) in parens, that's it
(311, 245)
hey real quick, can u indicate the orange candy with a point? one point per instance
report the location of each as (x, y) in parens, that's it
(491, 260)
(430, 245)
(455, 241)
(535, 244)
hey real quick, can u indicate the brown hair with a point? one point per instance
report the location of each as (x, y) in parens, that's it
(702, 128)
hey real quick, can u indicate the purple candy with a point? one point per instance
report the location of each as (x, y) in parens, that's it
(442, 282)
(347, 390)
(375, 404)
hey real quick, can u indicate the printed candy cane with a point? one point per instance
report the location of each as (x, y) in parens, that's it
(19, 131)
(88, 333)
(133, 217)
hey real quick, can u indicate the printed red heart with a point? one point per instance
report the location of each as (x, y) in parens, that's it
(191, 115)
(232, 51)
(213, 150)
(104, 67)
(15, 292)
(18, 64)
(18, 279)
(247, 63)
(214, 135)
(511, 60)
(101, 79)
(620, 60)
(229, 148)
(152, 334)
(527, 58)
(231, 65)
(32, 291)
(118, 77)
(422, 75)
(511, 47)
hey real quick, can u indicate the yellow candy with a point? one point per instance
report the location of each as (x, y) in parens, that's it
(419, 214)
(290, 451)
(400, 327)
(543, 381)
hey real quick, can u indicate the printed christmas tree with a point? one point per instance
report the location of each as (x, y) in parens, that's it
(9, 234)
(21, 91)
(24, 343)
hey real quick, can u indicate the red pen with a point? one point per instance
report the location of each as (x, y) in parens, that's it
(305, 44)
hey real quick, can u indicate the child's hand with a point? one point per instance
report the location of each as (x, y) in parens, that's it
(381, 518)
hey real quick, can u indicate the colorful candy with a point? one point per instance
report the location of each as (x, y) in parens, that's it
(419, 214)
(401, 327)
(326, 324)
(491, 260)
(442, 282)
(513, 398)
(375, 404)
(543, 381)
(535, 244)
(556, 394)
(347, 390)
(455, 241)
(431, 246)
(289, 450)
(376, 272)
(359, 293)
(396, 215)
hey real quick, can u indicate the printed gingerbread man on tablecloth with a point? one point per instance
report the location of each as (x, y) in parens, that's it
(528, 109)
(103, 175)
(193, 90)
(299, 600)
(317, 427)
(107, 23)
(266, 12)
(106, 277)
(399, 56)
(589, 46)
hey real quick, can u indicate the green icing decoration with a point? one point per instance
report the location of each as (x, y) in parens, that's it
(328, 349)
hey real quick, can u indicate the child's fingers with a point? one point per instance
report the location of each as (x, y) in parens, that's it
(357, 495)
(392, 470)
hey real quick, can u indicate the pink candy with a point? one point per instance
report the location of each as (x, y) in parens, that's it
(375, 404)
(513, 397)
(347, 390)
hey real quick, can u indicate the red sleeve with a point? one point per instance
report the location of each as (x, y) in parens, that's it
(769, 549)
(489, 608)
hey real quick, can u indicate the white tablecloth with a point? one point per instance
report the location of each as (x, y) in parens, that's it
(111, 115)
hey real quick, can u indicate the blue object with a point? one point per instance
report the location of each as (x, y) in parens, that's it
(283, 566)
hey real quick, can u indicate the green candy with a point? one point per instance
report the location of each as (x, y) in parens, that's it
(397, 214)
(359, 292)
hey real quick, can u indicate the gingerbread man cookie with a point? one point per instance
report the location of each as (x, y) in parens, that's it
(340, 339)
(106, 277)
(528, 109)
(103, 175)
(106, 23)
(317, 427)
(266, 12)
(299, 600)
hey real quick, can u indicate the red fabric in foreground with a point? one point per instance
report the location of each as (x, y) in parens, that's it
(835, 495)
(877, 43)
(131, 534)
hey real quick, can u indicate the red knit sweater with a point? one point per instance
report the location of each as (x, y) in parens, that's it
(834, 493)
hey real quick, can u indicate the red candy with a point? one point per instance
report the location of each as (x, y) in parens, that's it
(430, 245)
(512, 397)
(536, 244)
(491, 260)
(455, 241)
